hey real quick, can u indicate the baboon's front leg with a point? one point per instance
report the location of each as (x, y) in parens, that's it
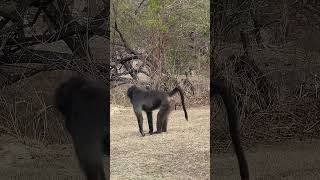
(140, 121)
(149, 115)
(159, 122)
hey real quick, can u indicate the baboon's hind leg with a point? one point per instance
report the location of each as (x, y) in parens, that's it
(165, 121)
(105, 145)
(94, 172)
(149, 116)
(90, 158)
(162, 118)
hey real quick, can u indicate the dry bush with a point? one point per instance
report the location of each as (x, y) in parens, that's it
(295, 109)
(118, 95)
(290, 117)
(26, 110)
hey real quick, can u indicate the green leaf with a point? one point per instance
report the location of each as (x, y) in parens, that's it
(154, 6)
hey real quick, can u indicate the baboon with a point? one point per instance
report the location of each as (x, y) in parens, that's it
(220, 87)
(84, 104)
(149, 100)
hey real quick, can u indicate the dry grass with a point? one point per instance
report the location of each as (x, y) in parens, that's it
(293, 71)
(27, 112)
(290, 118)
(182, 153)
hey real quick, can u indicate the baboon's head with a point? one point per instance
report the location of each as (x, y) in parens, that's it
(64, 93)
(131, 90)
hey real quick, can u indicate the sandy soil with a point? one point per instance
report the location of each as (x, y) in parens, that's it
(20, 161)
(293, 160)
(34, 161)
(181, 153)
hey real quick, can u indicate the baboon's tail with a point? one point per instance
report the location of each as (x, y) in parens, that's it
(173, 92)
(220, 87)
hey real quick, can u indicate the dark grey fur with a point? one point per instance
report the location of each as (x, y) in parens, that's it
(149, 100)
(219, 87)
(84, 104)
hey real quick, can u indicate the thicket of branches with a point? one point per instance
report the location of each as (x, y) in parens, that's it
(162, 37)
(249, 39)
(26, 24)
(159, 39)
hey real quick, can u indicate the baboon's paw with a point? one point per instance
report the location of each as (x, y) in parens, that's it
(157, 132)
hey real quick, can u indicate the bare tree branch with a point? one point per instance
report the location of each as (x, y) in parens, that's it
(136, 11)
(66, 27)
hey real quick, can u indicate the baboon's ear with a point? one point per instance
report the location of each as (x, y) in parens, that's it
(61, 93)
(129, 92)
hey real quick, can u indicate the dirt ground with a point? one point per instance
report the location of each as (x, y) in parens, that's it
(34, 161)
(293, 160)
(181, 153)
